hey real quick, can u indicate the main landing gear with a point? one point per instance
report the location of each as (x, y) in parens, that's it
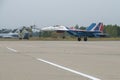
(85, 38)
(79, 38)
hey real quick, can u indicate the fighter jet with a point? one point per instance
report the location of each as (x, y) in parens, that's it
(91, 31)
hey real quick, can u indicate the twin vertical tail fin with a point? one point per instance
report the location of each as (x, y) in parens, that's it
(99, 27)
(93, 27)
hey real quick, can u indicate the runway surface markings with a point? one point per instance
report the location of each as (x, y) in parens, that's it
(68, 69)
(11, 49)
(61, 67)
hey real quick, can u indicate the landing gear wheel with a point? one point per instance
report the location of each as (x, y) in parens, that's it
(85, 38)
(79, 39)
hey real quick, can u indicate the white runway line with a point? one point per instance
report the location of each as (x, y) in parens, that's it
(62, 67)
(12, 49)
(68, 69)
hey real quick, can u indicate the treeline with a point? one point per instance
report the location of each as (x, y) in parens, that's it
(112, 30)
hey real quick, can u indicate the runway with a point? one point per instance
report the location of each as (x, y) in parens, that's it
(59, 60)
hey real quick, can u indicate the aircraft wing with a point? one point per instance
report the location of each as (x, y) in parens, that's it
(85, 31)
(55, 28)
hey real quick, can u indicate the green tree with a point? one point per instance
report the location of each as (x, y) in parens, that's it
(112, 30)
(46, 33)
(77, 26)
(83, 28)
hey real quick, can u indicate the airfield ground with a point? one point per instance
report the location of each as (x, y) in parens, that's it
(59, 60)
(61, 39)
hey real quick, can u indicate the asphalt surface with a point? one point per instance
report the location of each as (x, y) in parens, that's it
(59, 60)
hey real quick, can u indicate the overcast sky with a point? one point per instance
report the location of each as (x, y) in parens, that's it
(17, 13)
